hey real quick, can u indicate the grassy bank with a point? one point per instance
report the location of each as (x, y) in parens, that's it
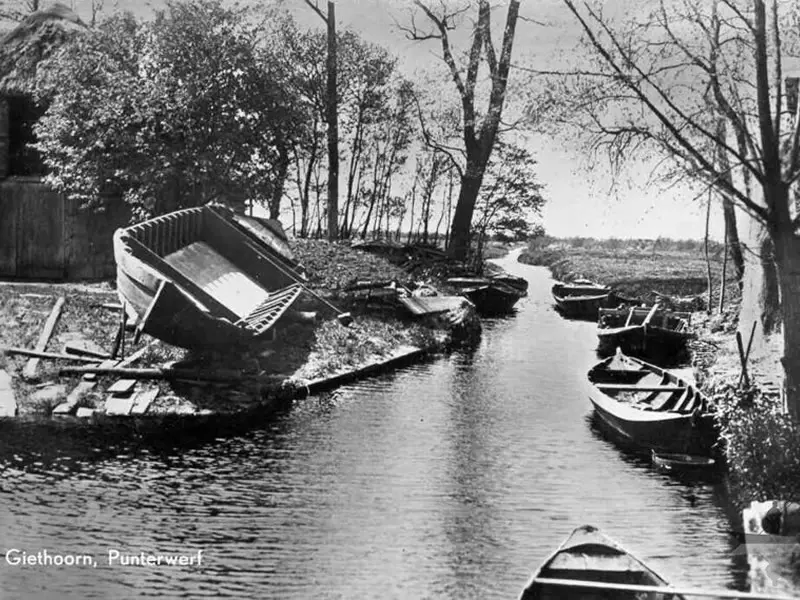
(300, 351)
(636, 268)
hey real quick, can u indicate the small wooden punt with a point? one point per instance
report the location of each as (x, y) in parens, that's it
(582, 298)
(646, 332)
(202, 278)
(673, 462)
(589, 556)
(650, 408)
(490, 295)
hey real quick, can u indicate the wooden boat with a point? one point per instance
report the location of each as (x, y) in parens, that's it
(650, 408)
(672, 462)
(581, 298)
(588, 555)
(204, 277)
(651, 333)
(490, 295)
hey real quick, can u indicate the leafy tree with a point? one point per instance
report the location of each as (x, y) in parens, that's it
(511, 195)
(167, 114)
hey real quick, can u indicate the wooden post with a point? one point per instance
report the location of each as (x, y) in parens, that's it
(30, 369)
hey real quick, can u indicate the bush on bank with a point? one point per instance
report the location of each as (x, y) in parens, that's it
(762, 445)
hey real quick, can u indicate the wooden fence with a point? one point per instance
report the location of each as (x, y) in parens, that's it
(43, 235)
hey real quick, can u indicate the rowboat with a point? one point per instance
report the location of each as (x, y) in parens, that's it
(588, 555)
(672, 462)
(581, 298)
(490, 295)
(204, 277)
(652, 333)
(650, 408)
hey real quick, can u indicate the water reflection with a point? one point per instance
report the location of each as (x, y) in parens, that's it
(453, 478)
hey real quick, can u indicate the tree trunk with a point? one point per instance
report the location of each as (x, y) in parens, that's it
(732, 235)
(465, 206)
(760, 299)
(708, 260)
(724, 276)
(787, 260)
(333, 129)
(280, 180)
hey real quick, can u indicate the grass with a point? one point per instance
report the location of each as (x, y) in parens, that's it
(299, 350)
(634, 271)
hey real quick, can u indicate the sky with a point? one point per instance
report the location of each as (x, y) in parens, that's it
(580, 201)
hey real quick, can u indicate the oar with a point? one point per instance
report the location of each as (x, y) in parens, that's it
(345, 318)
(665, 590)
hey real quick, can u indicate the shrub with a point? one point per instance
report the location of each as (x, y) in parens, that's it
(762, 445)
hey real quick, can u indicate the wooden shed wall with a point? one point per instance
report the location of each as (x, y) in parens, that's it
(43, 235)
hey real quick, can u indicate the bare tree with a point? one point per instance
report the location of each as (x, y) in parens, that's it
(767, 147)
(478, 133)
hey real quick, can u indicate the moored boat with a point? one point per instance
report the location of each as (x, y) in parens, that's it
(673, 462)
(201, 278)
(646, 332)
(650, 408)
(581, 298)
(490, 295)
(589, 556)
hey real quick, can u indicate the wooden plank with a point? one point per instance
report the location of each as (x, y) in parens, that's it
(632, 387)
(90, 381)
(79, 350)
(221, 375)
(122, 386)
(48, 355)
(118, 405)
(142, 401)
(33, 364)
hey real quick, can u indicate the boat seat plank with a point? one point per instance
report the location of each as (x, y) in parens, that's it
(668, 401)
(633, 387)
(218, 277)
(594, 562)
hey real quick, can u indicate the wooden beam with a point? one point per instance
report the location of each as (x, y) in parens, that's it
(665, 590)
(50, 355)
(229, 375)
(29, 372)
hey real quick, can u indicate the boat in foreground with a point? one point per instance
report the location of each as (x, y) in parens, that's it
(650, 408)
(582, 298)
(205, 277)
(647, 332)
(589, 556)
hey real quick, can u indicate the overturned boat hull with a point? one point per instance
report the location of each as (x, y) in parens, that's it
(196, 279)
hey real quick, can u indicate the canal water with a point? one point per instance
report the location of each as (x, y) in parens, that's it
(450, 479)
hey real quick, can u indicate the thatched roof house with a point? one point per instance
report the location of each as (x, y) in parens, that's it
(21, 50)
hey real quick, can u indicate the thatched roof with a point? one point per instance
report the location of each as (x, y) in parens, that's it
(30, 42)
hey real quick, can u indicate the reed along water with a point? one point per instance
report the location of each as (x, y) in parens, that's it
(450, 479)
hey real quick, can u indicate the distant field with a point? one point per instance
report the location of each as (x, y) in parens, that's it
(635, 267)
